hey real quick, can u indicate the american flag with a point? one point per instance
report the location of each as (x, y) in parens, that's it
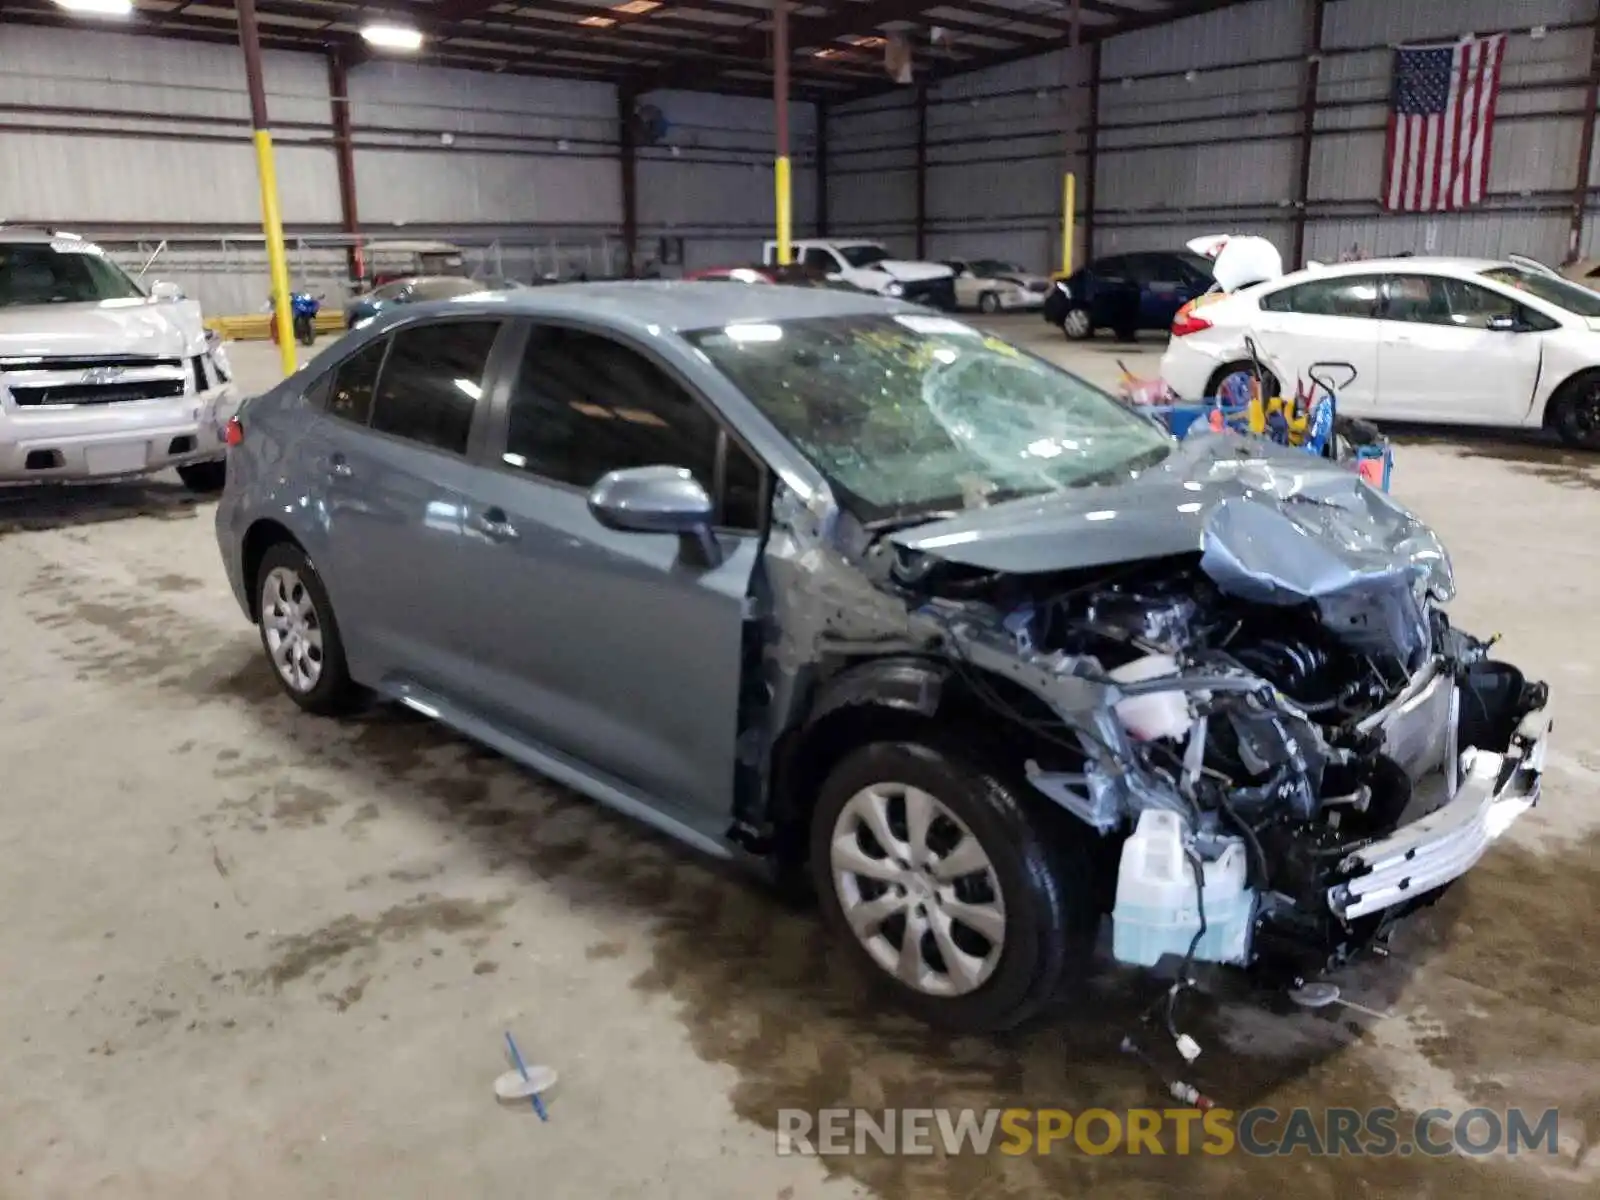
(1441, 124)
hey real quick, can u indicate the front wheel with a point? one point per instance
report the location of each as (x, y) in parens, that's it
(305, 330)
(204, 477)
(1078, 325)
(1575, 412)
(948, 888)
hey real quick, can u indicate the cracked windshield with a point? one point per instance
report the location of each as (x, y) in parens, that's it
(910, 415)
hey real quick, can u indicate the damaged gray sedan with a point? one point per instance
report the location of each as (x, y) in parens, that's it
(861, 593)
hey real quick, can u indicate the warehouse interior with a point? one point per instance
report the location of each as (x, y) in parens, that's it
(252, 952)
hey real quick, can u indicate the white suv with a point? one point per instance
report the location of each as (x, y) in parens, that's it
(98, 378)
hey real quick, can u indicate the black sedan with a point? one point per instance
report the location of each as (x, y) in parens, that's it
(1126, 293)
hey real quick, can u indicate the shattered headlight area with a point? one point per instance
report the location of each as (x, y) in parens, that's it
(1283, 731)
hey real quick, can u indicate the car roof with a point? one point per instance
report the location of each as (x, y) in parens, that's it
(27, 235)
(678, 305)
(1435, 265)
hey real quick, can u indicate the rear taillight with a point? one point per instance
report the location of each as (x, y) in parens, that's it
(234, 433)
(1187, 323)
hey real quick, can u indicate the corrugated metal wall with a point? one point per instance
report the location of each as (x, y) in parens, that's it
(709, 180)
(998, 144)
(1200, 131)
(133, 139)
(1190, 137)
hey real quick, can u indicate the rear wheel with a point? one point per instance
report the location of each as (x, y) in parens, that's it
(1233, 380)
(299, 633)
(1574, 412)
(989, 303)
(948, 889)
(1078, 325)
(204, 476)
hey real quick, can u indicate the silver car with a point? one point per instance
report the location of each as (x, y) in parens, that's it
(98, 378)
(847, 588)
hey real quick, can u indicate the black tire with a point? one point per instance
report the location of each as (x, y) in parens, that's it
(988, 303)
(1078, 325)
(204, 477)
(1269, 381)
(333, 691)
(1045, 884)
(1574, 411)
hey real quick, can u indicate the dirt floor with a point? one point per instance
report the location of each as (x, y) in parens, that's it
(250, 953)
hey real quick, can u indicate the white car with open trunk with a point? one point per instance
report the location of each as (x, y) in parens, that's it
(1433, 340)
(100, 379)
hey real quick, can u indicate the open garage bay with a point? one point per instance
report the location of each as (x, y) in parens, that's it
(253, 953)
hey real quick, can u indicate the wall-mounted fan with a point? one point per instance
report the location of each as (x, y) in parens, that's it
(649, 125)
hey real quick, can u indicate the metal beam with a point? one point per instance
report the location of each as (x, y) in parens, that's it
(922, 172)
(628, 159)
(1135, 21)
(1580, 191)
(820, 32)
(1308, 129)
(345, 157)
(821, 168)
(784, 193)
(1091, 153)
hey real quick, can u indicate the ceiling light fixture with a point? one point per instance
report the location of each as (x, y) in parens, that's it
(98, 8)
(392, 37)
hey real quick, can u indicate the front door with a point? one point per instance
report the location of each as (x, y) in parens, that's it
(394, 444)
(1441, 361)
(1324, 321)
(615, 649)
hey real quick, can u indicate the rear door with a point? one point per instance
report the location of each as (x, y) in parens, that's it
(1441, 361)
(1331, 320)
(612, 648)
(395, 444)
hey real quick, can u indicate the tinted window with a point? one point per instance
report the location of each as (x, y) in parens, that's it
(431, 383)
(1111, 267)
(1560, 292)
(353, 381)
(584, 405)
(1349, 296)
(1435, 300)
(1145, 269)
(743, 489)
(821, 259)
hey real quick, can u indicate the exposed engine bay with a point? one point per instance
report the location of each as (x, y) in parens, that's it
(1291, 741)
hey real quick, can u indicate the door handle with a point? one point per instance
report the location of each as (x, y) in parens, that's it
(495, 525)
(339, 466)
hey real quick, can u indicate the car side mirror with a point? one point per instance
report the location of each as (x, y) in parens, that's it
(163, 289)
(657, 500)
(1506, 325)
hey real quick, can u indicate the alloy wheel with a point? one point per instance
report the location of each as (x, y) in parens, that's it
(292, 629)
(1077, 323)
(918, 889)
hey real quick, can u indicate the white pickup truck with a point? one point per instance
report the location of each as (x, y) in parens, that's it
(869, 266)
(99, 378)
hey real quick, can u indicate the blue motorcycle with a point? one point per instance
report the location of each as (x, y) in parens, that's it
(303, 310)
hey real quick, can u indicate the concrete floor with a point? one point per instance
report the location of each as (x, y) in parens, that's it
(250, 953)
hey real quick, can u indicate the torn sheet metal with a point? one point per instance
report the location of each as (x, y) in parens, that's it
(1318, 535)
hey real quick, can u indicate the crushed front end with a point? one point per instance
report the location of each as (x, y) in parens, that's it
(1282, 741)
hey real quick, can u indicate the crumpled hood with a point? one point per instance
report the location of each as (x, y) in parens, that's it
(1272, 525)
(159, 328)
(912, 271)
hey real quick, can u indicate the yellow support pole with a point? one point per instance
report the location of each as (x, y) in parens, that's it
(277, 259)
(780, 182)
(1069, 219)
(271, 217)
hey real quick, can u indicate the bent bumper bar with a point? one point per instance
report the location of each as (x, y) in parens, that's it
(1495, 790)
